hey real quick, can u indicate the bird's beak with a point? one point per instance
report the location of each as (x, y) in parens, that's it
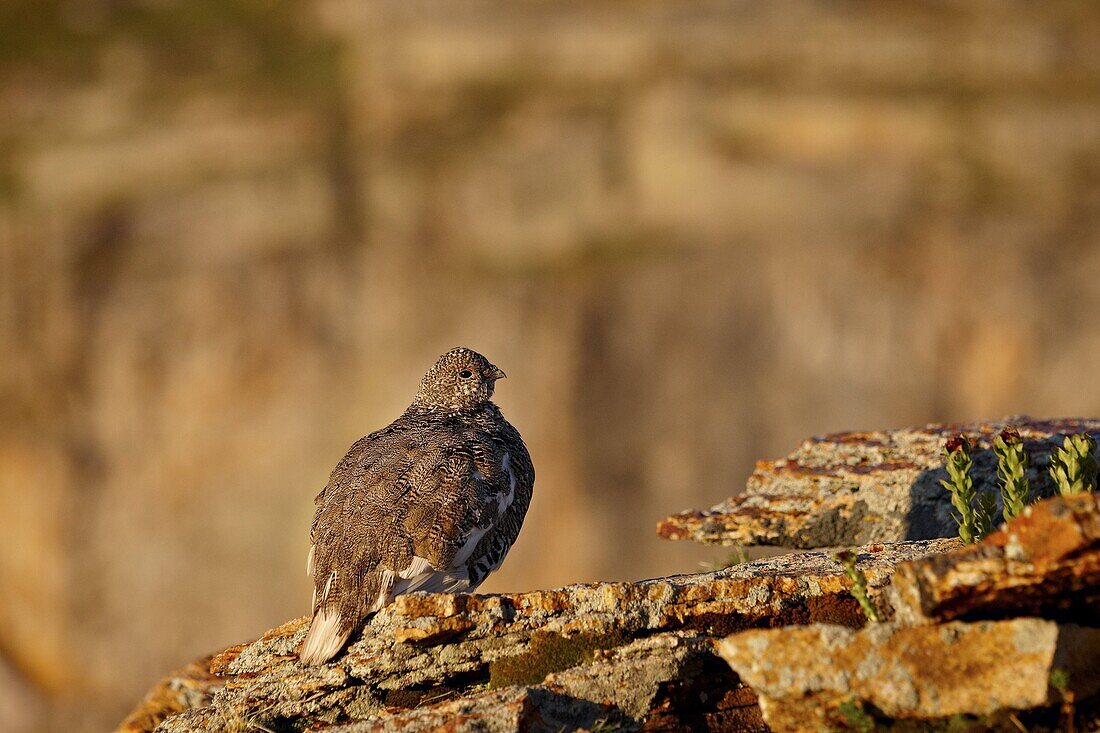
(496, 373)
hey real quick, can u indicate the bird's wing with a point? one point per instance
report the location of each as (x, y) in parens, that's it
(343, 469)
(398, 507)
(513, 477)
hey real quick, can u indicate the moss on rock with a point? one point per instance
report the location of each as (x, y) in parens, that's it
(550, 652)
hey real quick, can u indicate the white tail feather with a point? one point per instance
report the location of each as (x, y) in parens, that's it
(325, 638)
(328, 586)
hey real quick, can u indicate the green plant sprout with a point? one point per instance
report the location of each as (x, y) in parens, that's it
(856, 717)
(1073, 466)
(736, 556)
(975, 511)
(1059, 680)
(847, 559)
(1012, 469)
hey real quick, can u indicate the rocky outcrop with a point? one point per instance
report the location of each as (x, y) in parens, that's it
(638, 653)
(860, 487)
(999, 635)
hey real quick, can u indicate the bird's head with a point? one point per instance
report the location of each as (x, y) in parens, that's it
(461, 379)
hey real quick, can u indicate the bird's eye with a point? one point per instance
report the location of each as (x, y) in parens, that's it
(465, 374)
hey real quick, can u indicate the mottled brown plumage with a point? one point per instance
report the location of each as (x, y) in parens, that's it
(431, 502)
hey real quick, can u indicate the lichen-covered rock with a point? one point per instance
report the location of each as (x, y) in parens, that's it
(669, 682)
(827, 677)
(511, 709)
(421, 639)
(640, 649)
(1046, 562)
(860, 487)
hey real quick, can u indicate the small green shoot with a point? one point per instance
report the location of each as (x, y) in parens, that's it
(1059, 680)
(847, 559)
(736, 556)
(856, 717)
(975, 511)
(1012, 469)
(1073, 466)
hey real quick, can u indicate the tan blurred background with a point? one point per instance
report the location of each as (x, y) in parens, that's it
(234, 233)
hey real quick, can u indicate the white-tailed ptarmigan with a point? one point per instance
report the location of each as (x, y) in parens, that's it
(431, 502)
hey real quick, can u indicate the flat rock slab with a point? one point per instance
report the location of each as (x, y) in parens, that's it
(1045, 563)
(825, 677)
(592, 642)
(857, 488)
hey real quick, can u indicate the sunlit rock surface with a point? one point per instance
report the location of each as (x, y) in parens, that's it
(860, 487)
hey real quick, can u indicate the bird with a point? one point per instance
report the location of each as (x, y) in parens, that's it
(432, 502)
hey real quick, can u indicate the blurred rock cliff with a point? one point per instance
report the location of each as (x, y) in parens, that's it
(233, 234)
